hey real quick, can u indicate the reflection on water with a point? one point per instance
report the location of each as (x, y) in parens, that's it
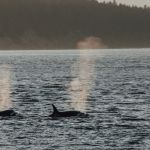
(80, 86)
(5, 102)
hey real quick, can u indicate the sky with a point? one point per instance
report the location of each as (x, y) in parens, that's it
(139, 3)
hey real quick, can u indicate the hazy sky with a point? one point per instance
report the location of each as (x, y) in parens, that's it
(131, 2)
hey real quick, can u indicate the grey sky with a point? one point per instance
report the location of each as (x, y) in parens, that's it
(139, 3)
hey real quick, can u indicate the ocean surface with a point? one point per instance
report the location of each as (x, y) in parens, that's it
(112, 86)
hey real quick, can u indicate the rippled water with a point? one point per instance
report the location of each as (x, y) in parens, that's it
(112, 86)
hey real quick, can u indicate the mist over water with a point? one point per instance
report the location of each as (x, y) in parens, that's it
(5, 101)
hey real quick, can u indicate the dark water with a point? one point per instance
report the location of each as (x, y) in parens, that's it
(112, 86)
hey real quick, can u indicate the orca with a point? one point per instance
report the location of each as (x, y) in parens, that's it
(57, 113)
(8, 113)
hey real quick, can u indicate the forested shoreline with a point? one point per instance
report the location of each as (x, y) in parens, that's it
(60, 24)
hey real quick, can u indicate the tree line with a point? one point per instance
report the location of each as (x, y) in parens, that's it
(52, 24)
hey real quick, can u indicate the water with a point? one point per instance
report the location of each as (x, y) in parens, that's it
(112, 86)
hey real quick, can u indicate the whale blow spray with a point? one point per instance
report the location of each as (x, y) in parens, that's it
(84, 71)
(5, 102)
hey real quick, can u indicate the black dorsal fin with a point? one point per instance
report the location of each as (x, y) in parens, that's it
(54, 109)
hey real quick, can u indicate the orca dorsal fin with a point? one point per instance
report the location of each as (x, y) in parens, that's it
(54, 109)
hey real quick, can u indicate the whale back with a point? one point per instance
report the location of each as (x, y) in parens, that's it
(57, 113)
(9, 112)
